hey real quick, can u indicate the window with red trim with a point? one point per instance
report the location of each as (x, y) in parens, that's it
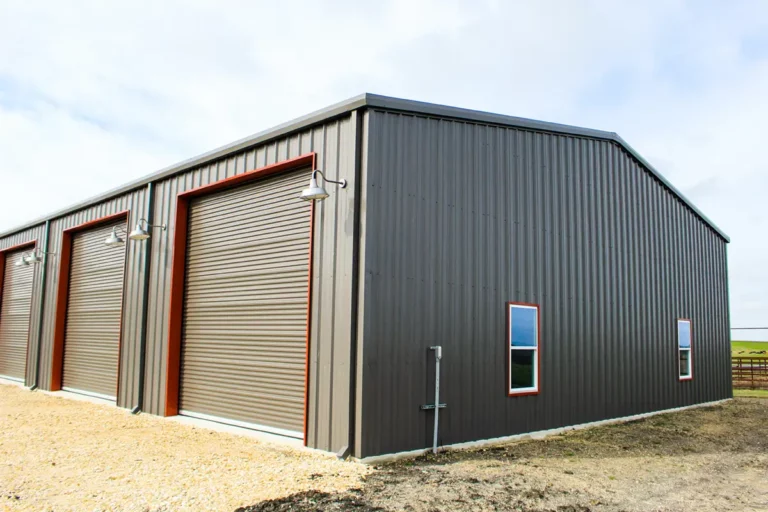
(523, 348)
(684, 353)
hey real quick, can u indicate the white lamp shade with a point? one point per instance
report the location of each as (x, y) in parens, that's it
(139, 233)
(314, 192)
(34, 257)
(113, 240)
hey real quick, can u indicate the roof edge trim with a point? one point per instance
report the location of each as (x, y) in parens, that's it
(418, 107)
(372, 101)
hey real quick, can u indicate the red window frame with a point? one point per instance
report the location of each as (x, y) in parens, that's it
(690, 349)
(508, 350)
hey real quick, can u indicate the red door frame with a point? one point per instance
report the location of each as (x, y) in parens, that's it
(32, 244)
(62, 297)
(178, 270)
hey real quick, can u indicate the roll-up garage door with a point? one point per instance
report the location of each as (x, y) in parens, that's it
(245, 308)
(15, 307)
(94, 306)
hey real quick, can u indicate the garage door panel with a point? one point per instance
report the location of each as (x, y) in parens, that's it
(269, 240)
(277, 193)
(222, 227)
(245, 307)
(15, 310)
(272, 402)
(285, 272)
(209, 269)
(94, 309)
(252, 216)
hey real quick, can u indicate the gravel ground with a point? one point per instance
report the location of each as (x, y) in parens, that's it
(706, 459)
(58, 454)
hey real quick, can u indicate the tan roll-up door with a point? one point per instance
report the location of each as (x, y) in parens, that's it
(245, 307)
(15, 308)
(94, 307)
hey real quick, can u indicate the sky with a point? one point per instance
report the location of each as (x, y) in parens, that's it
(95, 94)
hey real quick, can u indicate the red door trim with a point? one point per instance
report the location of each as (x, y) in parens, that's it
(62, 297)
(24, 245)
(178, 269)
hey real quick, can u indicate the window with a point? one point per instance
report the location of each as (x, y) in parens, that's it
(523, 348)
(684, 359)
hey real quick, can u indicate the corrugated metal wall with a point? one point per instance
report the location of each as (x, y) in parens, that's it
(332, 271)
(35, 233)
(135, 202)
(334, 143)
(462, 217)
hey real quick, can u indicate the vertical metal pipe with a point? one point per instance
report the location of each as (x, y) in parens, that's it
(41, 308)
(145, 300)
(438, 355)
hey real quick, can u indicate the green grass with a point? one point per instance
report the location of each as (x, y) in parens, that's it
(749, 348)
(751, 393)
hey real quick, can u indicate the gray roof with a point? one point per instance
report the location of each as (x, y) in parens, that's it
(382, 102)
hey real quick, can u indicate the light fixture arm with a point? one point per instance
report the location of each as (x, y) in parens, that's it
(342, 183)
(38, 251)
(147, 225)
(34, 256)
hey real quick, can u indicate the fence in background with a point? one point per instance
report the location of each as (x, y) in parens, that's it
(750, 372)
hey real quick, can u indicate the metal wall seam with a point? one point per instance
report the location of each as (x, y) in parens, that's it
(362, 280)
(41, 306)
(138, 404)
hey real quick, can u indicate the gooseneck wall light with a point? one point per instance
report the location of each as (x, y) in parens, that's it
(33, 257)
(142, 230)
(113, 240)
(315, 192)
(139, 234)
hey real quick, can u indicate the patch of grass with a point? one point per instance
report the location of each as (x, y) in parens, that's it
(751, 393)
(749, 348)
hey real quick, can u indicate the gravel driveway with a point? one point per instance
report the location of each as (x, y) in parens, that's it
(60, 454)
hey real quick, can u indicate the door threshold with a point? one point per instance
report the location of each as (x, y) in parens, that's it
(223, 425)
(83, 397)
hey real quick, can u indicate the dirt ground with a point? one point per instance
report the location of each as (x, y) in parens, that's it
(58, 454)
(704, 459)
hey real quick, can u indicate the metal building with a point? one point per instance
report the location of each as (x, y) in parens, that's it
(564, 278)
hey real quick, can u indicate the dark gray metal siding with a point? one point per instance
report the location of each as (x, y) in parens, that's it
(462, 217)
(331, 328)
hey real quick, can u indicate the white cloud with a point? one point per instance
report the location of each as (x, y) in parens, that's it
(94, 94)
